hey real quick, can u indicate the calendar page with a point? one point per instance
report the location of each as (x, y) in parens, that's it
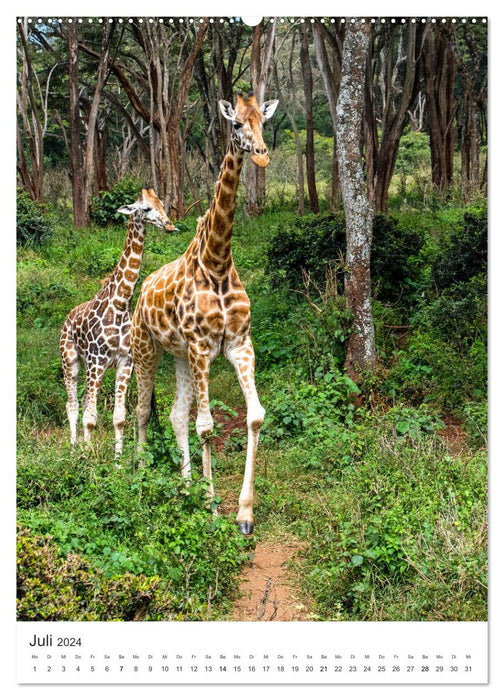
(252, 349)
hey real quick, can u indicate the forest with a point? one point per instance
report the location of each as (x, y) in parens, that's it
(363, 250)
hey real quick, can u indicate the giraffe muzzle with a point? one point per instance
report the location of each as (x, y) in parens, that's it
(261, 159)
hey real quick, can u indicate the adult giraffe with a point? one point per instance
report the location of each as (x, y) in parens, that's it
(97, 332)
(196, 308)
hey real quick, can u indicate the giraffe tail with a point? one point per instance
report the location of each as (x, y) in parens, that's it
(154, 416)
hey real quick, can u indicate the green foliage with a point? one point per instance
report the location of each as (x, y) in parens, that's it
(148, 522)
(459, 312)
(308, 243)
(105, 205)
(413, 154)
(299, 408)
(394, 524)
(312, 243)
(33, 224)
(476, 423)
(395, 263)
(465, 256)
(44, 292)
(398, 537)
(52, 587)
(412, 422)
(434, 370)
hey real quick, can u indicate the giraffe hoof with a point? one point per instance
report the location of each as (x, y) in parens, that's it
(246, 528)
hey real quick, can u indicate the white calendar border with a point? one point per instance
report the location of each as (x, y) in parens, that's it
(278, 8)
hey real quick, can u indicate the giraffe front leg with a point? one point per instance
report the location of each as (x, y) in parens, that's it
(199, 366)
(123, 376)
(243, 360)
(179, 416)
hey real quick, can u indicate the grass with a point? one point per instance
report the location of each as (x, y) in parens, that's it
(393, 524)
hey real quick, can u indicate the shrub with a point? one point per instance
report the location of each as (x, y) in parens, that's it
(465, 256)
(401, 534)
(105, 205)
(33, 225)
(307, 243)
(459, 312)
(476, 423)
(395, 262)
(147, 522)
(310, 244)
(53, 587)
(412, 422)
(434, 370)
(310, 410)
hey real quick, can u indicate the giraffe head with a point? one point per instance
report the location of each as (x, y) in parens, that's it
(149, 209)
(248, 119)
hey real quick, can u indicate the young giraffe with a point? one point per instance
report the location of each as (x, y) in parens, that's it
(196, 308)
(97, 332)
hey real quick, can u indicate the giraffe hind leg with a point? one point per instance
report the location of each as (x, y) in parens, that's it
(123, 376)
(146, 357)
(71, 364)
(179, 416)
(199, 366)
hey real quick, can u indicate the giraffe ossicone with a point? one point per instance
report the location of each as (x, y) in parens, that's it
(196, 308)
(96, 333)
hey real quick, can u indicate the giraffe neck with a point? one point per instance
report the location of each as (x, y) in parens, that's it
(125, 274)
(215, 250)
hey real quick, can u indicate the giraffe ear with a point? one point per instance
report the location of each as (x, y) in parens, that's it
(268, 108)
(127, 209)
(227, 110)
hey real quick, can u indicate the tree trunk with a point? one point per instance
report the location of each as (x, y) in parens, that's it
(399, 85)
(91, 158)
(255, 180)
(359, 224)
(78, 175)
(331, 76)
(310, 146)
(439, 76)
(31, 124)
(335, 181)
(101, 180)
(287, 95)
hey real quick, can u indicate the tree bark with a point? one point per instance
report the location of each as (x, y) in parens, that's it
(78, 176)
(260, 62)
(470, 56)
(331, 76)
(359, 224)
(32, 121)
(287, 95)
(439, 76)
(310, 145)
(399, 83)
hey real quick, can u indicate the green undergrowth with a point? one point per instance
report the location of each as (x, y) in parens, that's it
(128, 527)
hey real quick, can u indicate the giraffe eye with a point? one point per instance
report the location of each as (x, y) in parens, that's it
(237, 125)
(145, 208)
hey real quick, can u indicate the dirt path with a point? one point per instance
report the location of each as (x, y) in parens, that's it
(454, 435)
(266, 592)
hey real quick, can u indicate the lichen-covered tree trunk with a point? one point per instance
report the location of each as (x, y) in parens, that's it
(359, 224)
